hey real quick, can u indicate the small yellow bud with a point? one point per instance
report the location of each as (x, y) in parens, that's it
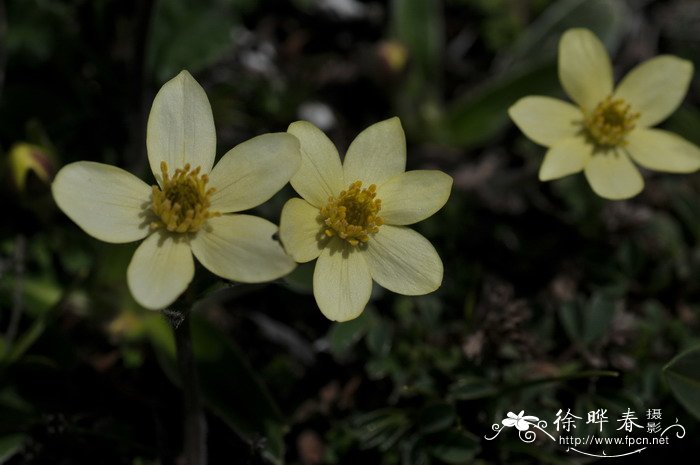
(24, 158)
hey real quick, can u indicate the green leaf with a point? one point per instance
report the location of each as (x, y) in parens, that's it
(10, 445)
(605, 18)
(381, 428)
(685, 122)
(587, 323)
(470, 388)
(301, 280)
(598, 316)
(379, 337)
(419, 26)
(40, 294)
(27, 339)
(478, 117)
(188, 35)
(436, 417)
(529, 68)
(343, 336)
(683, 377)
(230, 388)
(456, 447)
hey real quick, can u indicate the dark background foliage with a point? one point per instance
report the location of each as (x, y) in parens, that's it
(552, 298)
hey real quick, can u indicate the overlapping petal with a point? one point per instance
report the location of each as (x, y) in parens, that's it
(661, 150)
(301, 230)
(413, 196)
(253, 171)
(585, 70)
(546, 120)
(377, 154)
(107, 202)
(656, 88)
(403, 261)
(613, 176)
(321, 173)
(342, 282)
(160, 270)
(241, 248)
(567, 157)
(181, 127)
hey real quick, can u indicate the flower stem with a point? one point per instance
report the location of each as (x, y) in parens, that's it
(17, 295)
(195, 427)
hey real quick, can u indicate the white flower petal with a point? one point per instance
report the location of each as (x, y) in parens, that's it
(321, 173)
(301, 230)
(564, 158)
(253, 171)
(522, 425)
(377, 154)
(403, 261)
(655, 88)
(241, 248)
(585, 70)
(105, 201)
(342, 283)
(413, 196)
(660, 150)
(613, 176)
(160, 270)
(546, 120)
(509, 422)
(181, 127)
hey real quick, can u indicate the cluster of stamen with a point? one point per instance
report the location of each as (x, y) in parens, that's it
(182, 205)
(610, 122)
(352, 216)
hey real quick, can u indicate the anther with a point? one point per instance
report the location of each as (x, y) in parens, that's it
(352, 216)
(183, 202)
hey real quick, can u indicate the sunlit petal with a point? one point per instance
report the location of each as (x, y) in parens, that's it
(585, 70)
(107, 202)
(241, 248)
(181, 127)
(253, 171)
(160, 270)
(567, 157)
(321, 173)
(301, 230)
(613, 176)
(403, 261)
(342, 282)
(660, 150)
(377, 154)
(546, 120)
(655, 88)
(413, 196)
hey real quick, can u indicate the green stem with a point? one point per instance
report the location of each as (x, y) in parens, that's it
(17, 297)
(555, 379)
(195, 428)
(3, 39)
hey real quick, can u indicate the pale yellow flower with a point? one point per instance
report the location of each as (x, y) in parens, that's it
(352, 217)
(188, 211)
(609, 125)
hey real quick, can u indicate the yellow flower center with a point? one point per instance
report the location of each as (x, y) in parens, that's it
(183, 203)
(610, 122)
(352, 215)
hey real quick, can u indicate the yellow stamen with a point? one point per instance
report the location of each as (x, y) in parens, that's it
(183, 203)
(352, 216)
(610, 122)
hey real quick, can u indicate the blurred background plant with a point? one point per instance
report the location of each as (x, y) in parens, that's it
(552, 297)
